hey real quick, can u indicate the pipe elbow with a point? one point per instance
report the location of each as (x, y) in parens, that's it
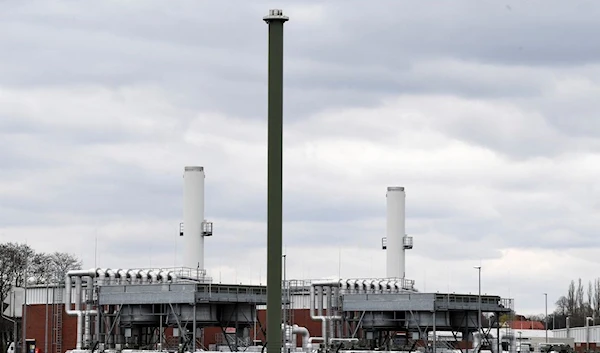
(172, 276)
(164, 276)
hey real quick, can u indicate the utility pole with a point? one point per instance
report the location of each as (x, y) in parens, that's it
(275, 19)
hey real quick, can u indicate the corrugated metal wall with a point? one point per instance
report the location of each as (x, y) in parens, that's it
(580, 334)
(43, 295)
(298, 301)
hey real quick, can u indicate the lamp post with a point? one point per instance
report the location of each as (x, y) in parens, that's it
(479, 300)
(521, 341)
(285, 289)
(546, 315)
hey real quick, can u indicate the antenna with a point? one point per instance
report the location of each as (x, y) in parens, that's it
(339, 263)
(96, 249)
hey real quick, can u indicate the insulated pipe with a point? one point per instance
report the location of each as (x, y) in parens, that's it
(144, 276)
(173, 276)
(302, 331)
(329, 301)
(372, 286)
(164, 276)
(363, 286)
(78, 293)
(100, 274)
(122, 276)
(328, 317)
(153, 276)
(132, 275)
(352, 285)
(287, 333)
(111, 275)
(382, 286)
(320, 316)
(319, 301)
(77, 312)
(88, 297)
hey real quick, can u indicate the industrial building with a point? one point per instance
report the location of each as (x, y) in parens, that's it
(181, 309)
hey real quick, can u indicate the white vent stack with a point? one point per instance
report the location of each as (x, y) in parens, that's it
(194, 227)
(396, 242)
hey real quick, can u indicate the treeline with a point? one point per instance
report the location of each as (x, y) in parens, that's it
(582, 301)
(19, 262)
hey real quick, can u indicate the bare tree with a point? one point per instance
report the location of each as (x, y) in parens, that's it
(63, 263)
(13, 260)
(562, 306)
(40, 269)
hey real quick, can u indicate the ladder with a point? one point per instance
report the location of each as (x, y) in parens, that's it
(57, 322)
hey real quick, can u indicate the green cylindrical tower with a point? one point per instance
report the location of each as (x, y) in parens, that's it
(275, 20)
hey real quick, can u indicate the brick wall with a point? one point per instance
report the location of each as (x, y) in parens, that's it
(36, 327)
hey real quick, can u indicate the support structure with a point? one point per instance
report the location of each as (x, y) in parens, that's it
(130, 305)
(275, 20)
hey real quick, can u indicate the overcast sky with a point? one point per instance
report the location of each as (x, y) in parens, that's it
(483, 110)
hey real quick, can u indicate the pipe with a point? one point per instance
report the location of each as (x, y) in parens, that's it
(164, 276)
(131, 276)
(143, 276)
(100, 274)
(328, 299)
(287, 333)
(320, 305)
(323, 318)
(382, 286)
(173, 277)
(320, 301)
(77, 311)
(122, 276)
(353, 286)
(305, 334)
(78, 293)
(88, 297)
(153, 276)
(112, 276)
